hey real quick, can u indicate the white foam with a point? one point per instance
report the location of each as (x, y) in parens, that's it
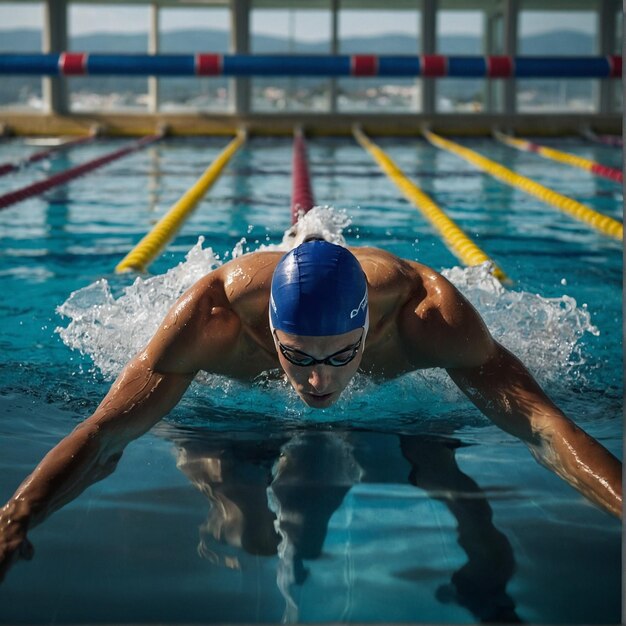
(321, 221)
(544, 333)
(111, 330)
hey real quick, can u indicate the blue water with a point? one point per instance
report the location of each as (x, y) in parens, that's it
(243, 505)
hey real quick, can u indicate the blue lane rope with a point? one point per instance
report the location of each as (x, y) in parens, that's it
(210, 64)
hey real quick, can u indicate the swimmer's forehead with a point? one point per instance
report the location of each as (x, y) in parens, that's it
(323, 341)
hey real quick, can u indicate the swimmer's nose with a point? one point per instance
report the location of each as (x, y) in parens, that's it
(320, 378)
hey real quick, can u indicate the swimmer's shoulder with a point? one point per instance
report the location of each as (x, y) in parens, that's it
(239, 289)
(214, 317)
(249, 277)
(385, 270)
(239, 278)
(419, 289)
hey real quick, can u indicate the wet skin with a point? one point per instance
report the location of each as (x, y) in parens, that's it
(220, 325)
(320, 385)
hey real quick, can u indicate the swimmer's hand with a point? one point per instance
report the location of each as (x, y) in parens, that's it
(14, 544)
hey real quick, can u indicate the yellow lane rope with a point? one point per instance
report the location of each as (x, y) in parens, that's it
(579, 211)
(562, 157)
(456, 240)
(164, 230)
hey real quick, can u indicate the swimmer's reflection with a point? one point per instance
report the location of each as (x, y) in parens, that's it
(276, 496)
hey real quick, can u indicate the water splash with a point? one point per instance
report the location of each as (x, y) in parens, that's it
(321, 221)
(111, 330)
(545, 333)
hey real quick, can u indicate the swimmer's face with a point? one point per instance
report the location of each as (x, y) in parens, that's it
(319, 385)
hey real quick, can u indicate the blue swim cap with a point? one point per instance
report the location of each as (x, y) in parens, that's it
(318, 289)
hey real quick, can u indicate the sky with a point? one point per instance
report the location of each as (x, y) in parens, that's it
(305, 25)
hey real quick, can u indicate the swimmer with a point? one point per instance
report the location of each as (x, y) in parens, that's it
(321, 312)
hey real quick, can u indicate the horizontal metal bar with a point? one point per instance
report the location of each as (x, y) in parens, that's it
(207, 64)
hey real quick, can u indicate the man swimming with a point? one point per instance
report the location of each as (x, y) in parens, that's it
(321, 313)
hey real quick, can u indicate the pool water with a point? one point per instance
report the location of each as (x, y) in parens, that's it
(245, 506)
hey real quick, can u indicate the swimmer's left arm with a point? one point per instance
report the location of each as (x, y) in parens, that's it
(439, 326)
(505, 391)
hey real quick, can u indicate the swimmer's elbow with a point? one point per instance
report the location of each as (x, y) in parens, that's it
(542, 453)
(550, 444)
(108, 464)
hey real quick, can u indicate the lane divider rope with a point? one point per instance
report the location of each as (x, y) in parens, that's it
(13, 197)
(214, 64)
(7, 168)
(607, 140)
(301, 193)
(588, 165)
(456, 240)
(603, 223)
(152, 244)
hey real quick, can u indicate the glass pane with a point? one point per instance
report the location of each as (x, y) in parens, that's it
(112, 29)
(460, 33)
(558, 33)
(21, 27)
(379, 32)
(187, 31)
(293, 31)
(618, 92)
(495, 88)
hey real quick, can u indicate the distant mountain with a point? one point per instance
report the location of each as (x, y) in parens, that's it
(20, 40)
(556, 42)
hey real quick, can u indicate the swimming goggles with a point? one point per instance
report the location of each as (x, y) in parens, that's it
(302, 359)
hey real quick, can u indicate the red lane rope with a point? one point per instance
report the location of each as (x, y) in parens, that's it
(607, 172)
(35, 189)
(6, 168)
(564, 157)
(301, 194)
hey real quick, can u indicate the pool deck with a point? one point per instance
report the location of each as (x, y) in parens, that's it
(323, 124)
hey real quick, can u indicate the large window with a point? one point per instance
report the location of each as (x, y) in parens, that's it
(380, 32)
(618, 92)
(189, 31)
(291, 31)
(558, 33)
(109, 29)
(21, 26)
(460, 33)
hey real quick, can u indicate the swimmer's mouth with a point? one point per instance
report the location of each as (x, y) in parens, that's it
(319, 398)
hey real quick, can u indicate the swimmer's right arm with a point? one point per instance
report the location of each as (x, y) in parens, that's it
(137, 400)
(148, 388)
